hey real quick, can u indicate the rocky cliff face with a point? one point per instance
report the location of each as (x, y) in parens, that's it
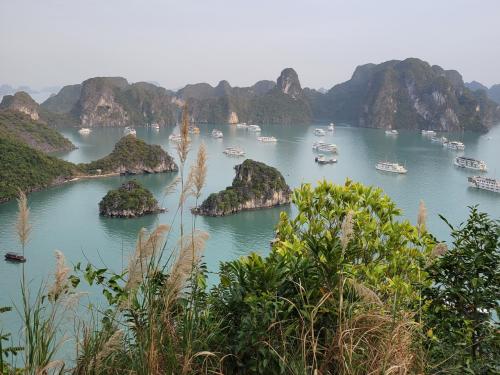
(21, 102)
(255, 185)
(129, 200)
(408, 94)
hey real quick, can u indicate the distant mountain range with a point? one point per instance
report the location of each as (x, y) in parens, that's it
(493, 92)
(408, 94)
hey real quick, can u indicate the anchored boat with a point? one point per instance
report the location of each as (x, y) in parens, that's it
(391, 132)
(441, 140)
(234, 151)
(15, 257)
(254, 128)
(217, 133)
(429, 133)
(84, 131)
(267, 139)
(386, 166)
(322, 159)
(174, 138)
(331, 127)
(485, 183)
(470, 163)
(324, 147)
(319, 132)
(129, 131)
(454, 145)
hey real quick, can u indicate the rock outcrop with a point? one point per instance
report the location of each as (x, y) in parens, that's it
(21, 102)
(255, 185)
(129, 200)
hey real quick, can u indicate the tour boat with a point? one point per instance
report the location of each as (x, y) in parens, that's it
(441, 140)
(324, 147)
(174, 138)
(391, 132)
(386, 166)
(15, 257)
(485, 183)
(84, 131)
(194, 130)
(267, 139)
(454, 145)
(331, 127)
(234, 151)
(321, 159)
(470, 163)
(129, 131)
(242, 125)
(319, 132)
(254, 128)
(429, 133)
(155, 126)
(217, 133)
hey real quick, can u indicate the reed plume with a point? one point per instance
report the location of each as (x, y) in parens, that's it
(199, 172)
(60, 277)
(172, 186)
(183, 145)
(347, 229)
(365, 293)
(23, 226)
(113, 344)
(440, 249)
(421, 217)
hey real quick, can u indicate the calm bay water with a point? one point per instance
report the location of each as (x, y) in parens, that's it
(67, 218)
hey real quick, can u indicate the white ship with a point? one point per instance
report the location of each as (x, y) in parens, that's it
(129, 131)
(470, 163)
(243, 125)
(324, 147)
(234, 151)
(485, 183)
(429, 133)
(331, 127)
(174, 138)
(84, 131)
(441, 140)
(391, 132)
(454, 145)
(386, 166)
(267, 139)
(155, 126)
(319, 132)
(254, 128)
(217, 134)
(322, 159)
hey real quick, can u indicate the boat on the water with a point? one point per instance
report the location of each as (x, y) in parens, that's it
(485, 183)
(319, 132)
(267, 139)
(331, 127)
(322, 159)
(470, 163)
(454, 145)
(174, 138)
(391, 132)
(217, 134)
(129, 131)
(386, 166)
(85, 131)
(15, 257)
(194, 130)
(155, 126)
(429, 133)
(234, 151)
(254, 128)
(242, 125)
(324, 147)
(441, 140)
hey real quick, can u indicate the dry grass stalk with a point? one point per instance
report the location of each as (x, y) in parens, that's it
(147, 247)
(347, 229)
(199, 171)
(183, 145)
(172, 186)
(23, 226)
(440, 249)
(421, 217)
(58, 364)
(365, 293)
(60, 277)
(113, 344)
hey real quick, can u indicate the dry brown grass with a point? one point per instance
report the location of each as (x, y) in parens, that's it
(23, 226)
(421, 217)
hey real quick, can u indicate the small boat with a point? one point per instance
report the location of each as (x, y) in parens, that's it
(319, 132)
(84, 131)
(129, 131)
(234, 151)
(470, 163)
(428, 133)
(485, 183)
(155, 126)
(242, 125)
(254, 128)
(217, 134)
(267, 139)
(194, 130)
(331, 127)
(15, 257)
(441, 140)
(386, 166)
(454, 145)
(324, 147)
(391, 132)
(128, 173)
(322, 159)
(174, 138)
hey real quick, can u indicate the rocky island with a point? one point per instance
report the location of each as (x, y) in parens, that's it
(256, 185)
(129, 200)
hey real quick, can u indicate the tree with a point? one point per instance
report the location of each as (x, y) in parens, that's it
(464, 298)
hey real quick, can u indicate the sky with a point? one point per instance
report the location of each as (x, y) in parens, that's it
(59, 42)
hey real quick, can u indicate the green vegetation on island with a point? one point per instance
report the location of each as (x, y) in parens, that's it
(129, 200)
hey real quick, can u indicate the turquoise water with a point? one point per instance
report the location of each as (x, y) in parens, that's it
(66, 217)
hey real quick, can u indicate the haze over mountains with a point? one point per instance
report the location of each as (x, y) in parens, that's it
(408, 94)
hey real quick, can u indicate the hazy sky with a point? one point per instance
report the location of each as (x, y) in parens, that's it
(58, 42)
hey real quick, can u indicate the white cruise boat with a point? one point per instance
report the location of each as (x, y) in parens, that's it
(429, 133)
(217, 134)
(324, 147)
(129, 131)
(322, 159)
(85, 131)
(386, 166)
(331, 127)
(391, 132)
(243, 125)
(485, 183)
(470, 163)
(267, 139)
(174, 138)
(234, 151)
(155, 126)
(254, 128)
(454, 145)
(319, 132)
(441, 140)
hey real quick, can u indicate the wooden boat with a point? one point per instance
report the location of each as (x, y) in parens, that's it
(15, 257)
